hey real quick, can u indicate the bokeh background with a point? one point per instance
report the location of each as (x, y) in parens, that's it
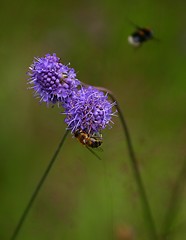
(84, 198)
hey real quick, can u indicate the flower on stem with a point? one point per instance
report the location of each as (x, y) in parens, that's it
(52, 81)
(88, 110)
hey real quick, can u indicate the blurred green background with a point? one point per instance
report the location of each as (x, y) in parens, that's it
(84, 198)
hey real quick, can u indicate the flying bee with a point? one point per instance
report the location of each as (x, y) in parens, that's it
(141, 35)
(93, 141)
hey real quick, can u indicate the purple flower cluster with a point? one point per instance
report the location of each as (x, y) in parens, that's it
(52, 81)
(89, 111)
(86, 108)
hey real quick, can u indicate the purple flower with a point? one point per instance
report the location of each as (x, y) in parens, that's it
(52, 81)
(88, 110)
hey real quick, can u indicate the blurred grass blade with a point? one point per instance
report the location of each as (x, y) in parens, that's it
(174, 202)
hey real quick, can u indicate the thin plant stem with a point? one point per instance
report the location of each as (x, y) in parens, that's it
(37, 189)
(136, 171)
(174, 202)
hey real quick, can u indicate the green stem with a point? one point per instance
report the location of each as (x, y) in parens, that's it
(136, 171)
(37, 189)
(174, 202)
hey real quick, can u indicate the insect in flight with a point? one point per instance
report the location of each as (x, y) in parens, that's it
(141, 35)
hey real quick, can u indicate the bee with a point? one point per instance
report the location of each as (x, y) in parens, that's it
(92, 141)
(140, 36)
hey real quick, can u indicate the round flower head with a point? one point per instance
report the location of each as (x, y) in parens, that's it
(89, 110)
(52, 81)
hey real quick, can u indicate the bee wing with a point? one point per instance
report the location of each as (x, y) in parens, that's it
(99, 149)
(93, 152)
(133, 24)
(156, 39)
